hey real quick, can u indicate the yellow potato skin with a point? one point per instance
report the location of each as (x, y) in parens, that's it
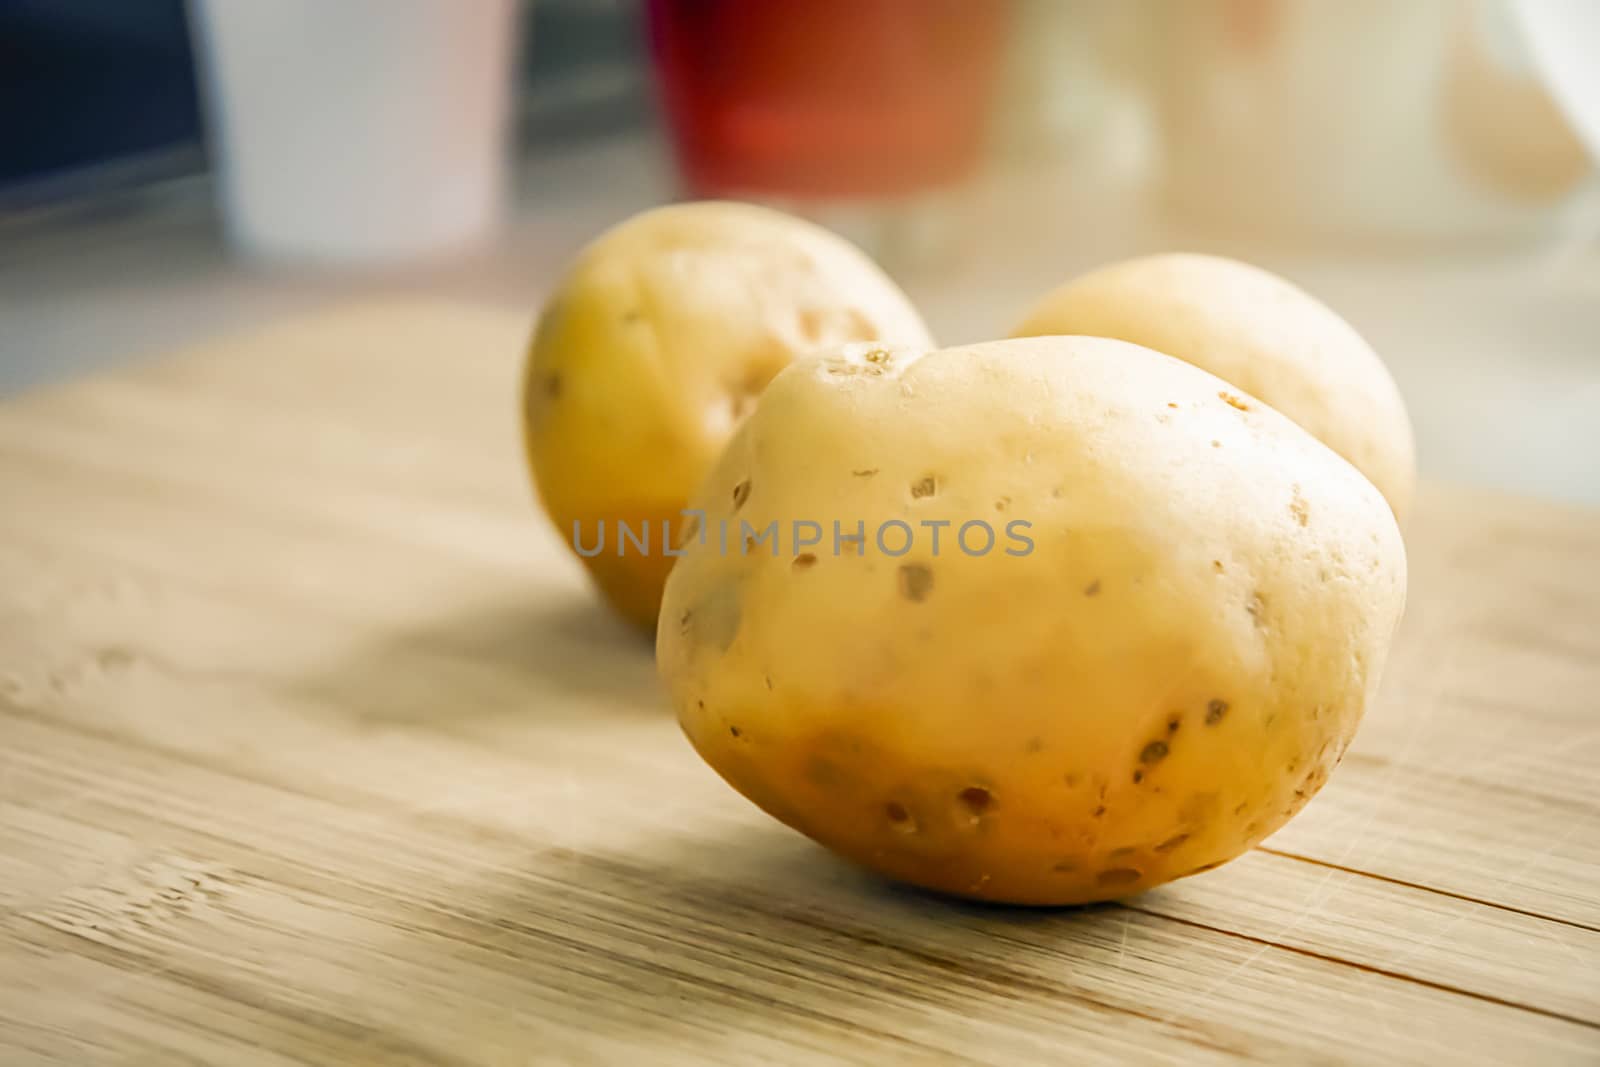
(1263, 334)
(657, 343)
(1163, 681)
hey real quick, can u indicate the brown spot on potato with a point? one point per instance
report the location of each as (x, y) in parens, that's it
(1118, 876)
(1138, 776)
(1154, 752)
(741, 493)
(1064, 867)
(632, 315)
(1121, 853)
(1216, 565)
(1299, 508)
(1099, 811)
(1257, 607)
(865, 472)
(924, 486)
(1092, 589)
(1003, 503)
(1035, 744)
(1174, 721)
(1215, 710)
(552, 385)
(900, 819)
(805, 560)
(916, 581)
(1172, 842)
(1234, 401)
(976, 800)
(734, 730)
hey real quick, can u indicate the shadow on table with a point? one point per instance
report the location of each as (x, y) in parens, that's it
(682, 929)
(749, 943)
(505, 657)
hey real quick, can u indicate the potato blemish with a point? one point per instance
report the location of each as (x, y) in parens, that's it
(1118, 876)
(916, 581)
(975, 801)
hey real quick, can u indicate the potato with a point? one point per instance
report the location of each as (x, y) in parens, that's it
(656, 345)
(1159, 683)
(1256, 330)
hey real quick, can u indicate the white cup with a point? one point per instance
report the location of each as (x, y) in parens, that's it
(358, 131)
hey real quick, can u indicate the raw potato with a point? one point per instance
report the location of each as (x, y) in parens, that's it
(1269, 338)
(657, 344)
(1159, 684)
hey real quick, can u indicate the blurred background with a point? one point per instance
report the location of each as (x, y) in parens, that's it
(169, 171)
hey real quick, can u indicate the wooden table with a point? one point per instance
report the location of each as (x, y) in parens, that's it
(314, 747)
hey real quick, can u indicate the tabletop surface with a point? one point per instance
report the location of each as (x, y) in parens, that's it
(315, 747)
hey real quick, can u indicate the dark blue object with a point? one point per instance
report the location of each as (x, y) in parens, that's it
(91, 90)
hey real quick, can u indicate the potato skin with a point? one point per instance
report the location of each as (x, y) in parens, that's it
(1259, 332)
(1159, 684)
(654, 347)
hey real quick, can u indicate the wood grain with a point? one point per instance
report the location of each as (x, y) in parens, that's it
(315, 748)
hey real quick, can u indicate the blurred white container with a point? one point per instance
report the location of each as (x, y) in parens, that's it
(358, 131)
(1564, 37)
(1362, 119)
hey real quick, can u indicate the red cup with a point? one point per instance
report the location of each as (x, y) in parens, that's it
(826, 98)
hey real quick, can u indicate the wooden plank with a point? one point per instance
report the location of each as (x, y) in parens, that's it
(1457, 807)
(155, 679)
(424, 934)
(314, 746)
